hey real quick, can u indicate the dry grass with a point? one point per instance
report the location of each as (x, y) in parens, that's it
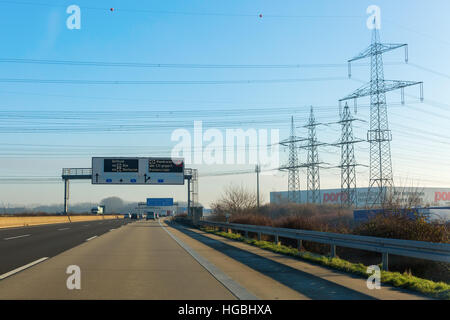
(399, 226)
(333, 219)
(439, 290)
(13, 221)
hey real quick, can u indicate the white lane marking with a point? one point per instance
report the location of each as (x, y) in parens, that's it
(112, 229)
(91, 238)
(235, 288)
(25, 235)
(86, 225)
(63, 229)
(10, 273)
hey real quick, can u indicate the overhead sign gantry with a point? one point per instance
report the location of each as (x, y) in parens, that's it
(133, 171)
(160, 171)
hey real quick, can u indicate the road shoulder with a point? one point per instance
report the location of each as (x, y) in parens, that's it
(341, 279)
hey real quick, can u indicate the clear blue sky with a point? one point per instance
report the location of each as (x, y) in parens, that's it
(45, 127)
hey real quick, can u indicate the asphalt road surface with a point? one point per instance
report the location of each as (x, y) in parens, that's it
(156, 260)
(138, 261)
(23, 245)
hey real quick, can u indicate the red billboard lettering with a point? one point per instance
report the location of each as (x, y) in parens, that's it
(441, 196)
(334, 197)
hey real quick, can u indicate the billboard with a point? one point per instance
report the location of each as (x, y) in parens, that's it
(159, 202)
(139, 171)
(437, 197)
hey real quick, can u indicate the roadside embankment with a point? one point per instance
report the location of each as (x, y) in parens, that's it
(11, 221)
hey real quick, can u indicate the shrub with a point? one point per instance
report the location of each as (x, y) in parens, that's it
(401, 227)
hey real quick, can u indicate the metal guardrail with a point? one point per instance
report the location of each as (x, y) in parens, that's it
(385, 246)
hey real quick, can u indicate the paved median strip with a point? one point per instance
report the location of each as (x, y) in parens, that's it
(236, 289)
(10, 273)
(17, 237)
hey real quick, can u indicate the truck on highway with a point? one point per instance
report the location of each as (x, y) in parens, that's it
(98, 210)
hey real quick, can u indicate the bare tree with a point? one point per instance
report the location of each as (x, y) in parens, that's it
(235, 200)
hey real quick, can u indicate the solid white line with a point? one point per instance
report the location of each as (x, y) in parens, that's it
(25, 235)
(112, 229)
(91, 238)
(63, 229)
(235, 288)
(10, 273)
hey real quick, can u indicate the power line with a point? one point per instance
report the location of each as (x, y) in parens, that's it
(258, 15)
(165, 82)
(174, 65)
(429, 70)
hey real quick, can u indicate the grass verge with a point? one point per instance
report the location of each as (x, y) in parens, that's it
(439, 290)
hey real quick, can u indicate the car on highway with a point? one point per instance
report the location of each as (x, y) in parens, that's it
(127, 216)
(151, 215)
(134, 216)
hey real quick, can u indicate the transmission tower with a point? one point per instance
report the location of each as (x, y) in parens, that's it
(293, 165)
(312, 163)
(379, 136)
(348, 163)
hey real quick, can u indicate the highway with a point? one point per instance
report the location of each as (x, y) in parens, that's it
(22, 245)
(158, 260)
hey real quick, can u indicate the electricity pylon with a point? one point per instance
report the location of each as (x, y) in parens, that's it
(312, 164)
(379, 136)
(293, 165)
(348, 163)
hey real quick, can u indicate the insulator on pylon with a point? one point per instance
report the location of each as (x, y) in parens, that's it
(406, 54)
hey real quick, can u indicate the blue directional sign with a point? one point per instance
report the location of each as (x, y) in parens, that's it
(159, 202)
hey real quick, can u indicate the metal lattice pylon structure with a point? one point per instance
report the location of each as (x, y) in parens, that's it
(192, 176)
(348, 163)
(312, 162)
(293, 165)
(194, 187)
(379, 136)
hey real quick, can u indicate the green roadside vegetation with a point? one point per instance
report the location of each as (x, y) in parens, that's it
(439, 290)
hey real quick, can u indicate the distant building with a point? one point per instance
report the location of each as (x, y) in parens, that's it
(435, 197)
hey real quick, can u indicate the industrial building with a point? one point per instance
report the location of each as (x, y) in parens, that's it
(435, 197)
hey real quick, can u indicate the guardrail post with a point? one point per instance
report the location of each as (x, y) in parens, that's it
(385, 261)
(277, 240)
(299, 244)
(333, 251)
(259, 236)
